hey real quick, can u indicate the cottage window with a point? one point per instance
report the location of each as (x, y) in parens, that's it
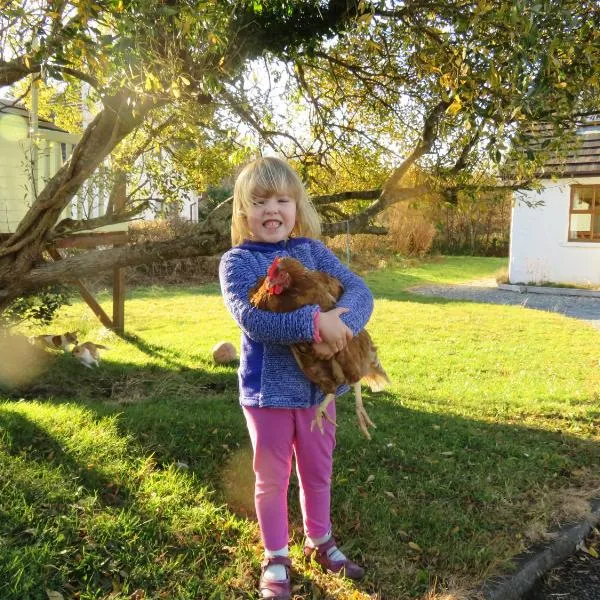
(584, 214)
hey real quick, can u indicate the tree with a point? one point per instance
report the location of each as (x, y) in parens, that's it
(443, 86)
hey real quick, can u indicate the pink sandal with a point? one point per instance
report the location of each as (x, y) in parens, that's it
(276, 590)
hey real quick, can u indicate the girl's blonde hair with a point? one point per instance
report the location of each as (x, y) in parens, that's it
(262, 178)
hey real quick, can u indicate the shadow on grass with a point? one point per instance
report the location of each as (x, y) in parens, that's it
(433, 496)
(22, 437)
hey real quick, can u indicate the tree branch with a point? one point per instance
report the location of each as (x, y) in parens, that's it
(342, 196)
(68, 226)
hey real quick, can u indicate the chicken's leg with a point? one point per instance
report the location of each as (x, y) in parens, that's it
(322, 413)
(363, 418)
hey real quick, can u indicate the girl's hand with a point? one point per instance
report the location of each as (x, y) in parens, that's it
(322, 350)
(333, 330)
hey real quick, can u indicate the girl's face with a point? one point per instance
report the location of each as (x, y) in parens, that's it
(272, 219)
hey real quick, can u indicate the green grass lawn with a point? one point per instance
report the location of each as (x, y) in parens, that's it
(134, 481)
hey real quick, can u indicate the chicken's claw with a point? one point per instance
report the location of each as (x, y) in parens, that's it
(364, 421)
(321, 413)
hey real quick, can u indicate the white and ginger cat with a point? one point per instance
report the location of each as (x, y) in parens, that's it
(87, 353)
(56, 342)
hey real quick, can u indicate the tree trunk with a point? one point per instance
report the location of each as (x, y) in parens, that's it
(23, 249)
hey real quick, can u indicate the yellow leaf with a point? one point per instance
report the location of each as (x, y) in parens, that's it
(415, 546)
(366, 18)
(455, 107)
(389, 494)
(374, 45)
(370, 478)
(446, 80)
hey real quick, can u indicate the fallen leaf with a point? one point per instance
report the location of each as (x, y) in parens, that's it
(389, 494)
(591, 550)
(415, 546)
(370, 478)
(52, 595)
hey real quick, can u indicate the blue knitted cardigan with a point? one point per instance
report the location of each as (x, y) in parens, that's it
(268, 374)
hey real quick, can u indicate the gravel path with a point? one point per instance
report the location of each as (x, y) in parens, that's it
(577, 307)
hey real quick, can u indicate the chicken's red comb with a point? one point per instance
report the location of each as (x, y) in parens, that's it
(272, 272)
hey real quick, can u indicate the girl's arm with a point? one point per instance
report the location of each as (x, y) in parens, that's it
(238, 275)
(356, 297)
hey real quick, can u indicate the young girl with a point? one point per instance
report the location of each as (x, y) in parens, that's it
(272, 216)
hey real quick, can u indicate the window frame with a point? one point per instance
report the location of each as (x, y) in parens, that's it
(593, 212)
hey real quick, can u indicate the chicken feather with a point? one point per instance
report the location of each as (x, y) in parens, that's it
(288, 286)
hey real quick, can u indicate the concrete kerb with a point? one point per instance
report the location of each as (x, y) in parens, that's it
(534, 563)
(553, 291)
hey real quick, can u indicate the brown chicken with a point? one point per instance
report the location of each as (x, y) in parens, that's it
(289, 285)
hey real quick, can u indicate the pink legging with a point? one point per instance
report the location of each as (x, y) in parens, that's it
(276, 434)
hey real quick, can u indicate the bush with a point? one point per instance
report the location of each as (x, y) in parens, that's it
(38, 307)
(410, 234)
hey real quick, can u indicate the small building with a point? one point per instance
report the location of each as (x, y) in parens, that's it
(18, 186)
(29, 159)
(555, 232)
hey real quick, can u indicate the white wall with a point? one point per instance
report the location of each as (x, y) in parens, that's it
(16, 194)
(14, 179)
(539, 250)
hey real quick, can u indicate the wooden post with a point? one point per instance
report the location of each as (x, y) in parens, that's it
(93, 304)
(119, 300)
(117, 200)
(86, 295)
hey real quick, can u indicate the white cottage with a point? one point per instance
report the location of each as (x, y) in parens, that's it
(26, 164)
(559, 242)
(17, 187)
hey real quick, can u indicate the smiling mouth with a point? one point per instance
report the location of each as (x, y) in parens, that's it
(271, 224)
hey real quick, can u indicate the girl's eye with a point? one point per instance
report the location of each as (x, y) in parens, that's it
(284, 200)
(258, 202)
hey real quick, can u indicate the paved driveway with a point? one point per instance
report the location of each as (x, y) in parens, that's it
(577, 307)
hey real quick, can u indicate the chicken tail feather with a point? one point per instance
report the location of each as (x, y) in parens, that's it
(376, 378)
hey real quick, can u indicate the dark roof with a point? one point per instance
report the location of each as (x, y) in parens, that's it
(580, 155)
(9, 107)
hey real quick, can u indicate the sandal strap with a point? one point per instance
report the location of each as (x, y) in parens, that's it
(276, 560)
(326, 546)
